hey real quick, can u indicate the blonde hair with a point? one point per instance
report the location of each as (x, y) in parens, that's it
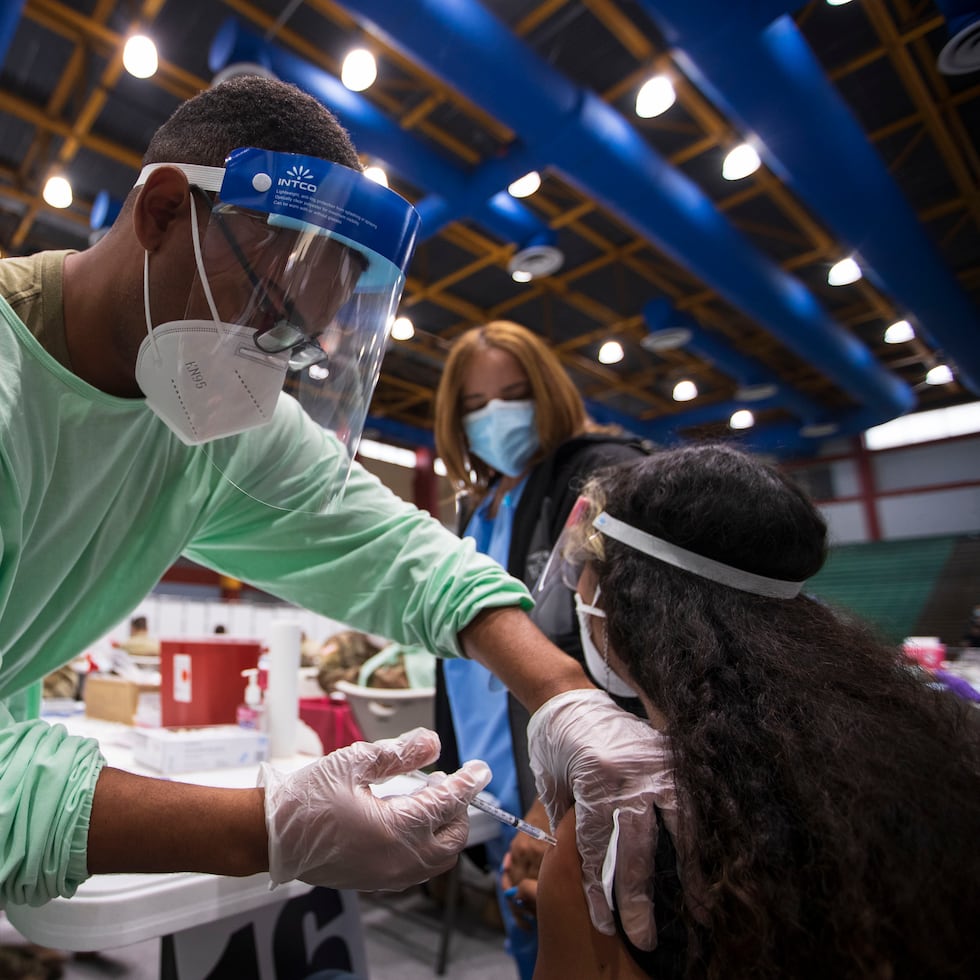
(559, 409)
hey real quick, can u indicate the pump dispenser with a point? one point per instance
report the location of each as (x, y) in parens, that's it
(251, 714)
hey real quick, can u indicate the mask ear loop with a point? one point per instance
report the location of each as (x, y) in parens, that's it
(199, 260)
(146, 305)
(605, 637)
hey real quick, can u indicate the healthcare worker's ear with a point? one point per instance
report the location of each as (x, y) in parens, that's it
(161, 201)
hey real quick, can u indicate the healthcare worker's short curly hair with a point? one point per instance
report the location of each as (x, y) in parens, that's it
(249, 110)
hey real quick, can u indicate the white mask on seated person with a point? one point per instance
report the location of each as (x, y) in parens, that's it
(596, 662)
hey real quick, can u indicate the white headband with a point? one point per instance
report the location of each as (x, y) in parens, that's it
(691, 562)
(207, 178)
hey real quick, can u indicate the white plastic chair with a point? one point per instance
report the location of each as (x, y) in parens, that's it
(387, 713)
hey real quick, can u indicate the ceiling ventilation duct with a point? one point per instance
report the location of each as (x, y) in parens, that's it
(536, 260)
(961, 53)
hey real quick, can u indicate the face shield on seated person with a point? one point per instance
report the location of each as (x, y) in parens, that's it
(577, 545)
(298, 275)
(581, 542)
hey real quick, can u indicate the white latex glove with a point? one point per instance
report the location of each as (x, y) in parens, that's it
(583, 746)
(326, 827)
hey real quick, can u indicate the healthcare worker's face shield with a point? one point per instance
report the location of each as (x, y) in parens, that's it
(299, 271)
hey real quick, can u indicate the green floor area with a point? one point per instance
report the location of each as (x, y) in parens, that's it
(885, 582)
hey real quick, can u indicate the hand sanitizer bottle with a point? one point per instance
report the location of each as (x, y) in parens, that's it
(251, 714)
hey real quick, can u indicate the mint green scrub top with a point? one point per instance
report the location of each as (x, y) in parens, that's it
(98, 498)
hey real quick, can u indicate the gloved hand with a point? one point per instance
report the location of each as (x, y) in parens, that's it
(583, 746)
(326, 827)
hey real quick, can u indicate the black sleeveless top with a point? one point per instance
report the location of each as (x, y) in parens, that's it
(669, 960)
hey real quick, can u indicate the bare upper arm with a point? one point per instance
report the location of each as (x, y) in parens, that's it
(568, 944)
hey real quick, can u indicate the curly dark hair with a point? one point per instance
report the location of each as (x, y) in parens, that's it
(832, 797)
(249, 110)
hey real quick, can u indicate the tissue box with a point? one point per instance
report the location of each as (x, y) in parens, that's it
(113, 698)
(197, 749)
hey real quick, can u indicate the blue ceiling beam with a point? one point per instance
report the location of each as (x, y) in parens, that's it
(597, 149)
(10, 17)
(766, 79)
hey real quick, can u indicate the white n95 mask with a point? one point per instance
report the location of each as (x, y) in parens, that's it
(205, 378)
(202, 390)
(598, 665)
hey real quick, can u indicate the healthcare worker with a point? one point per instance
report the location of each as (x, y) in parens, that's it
(143, 416)
(518, 445)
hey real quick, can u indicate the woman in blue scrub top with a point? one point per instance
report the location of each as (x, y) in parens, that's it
(517, 444)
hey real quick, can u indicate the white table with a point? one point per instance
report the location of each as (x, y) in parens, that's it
(196, 913)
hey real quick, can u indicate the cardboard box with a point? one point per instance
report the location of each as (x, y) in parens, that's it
(113, 698)
(170, 750)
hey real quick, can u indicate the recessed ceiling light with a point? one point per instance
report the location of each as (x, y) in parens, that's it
(756, 392)
(843, 273)
(525, 186)
(819, 430)
(939, 375)
(740, 162)
(656, 96)
(359, 70)
(684, 391)
(57, 192)
(611, 352)
(899, 332)
(140, 56)
(377, 174)
(521, 275)
(742, 419)
(535, 262)
(402, 329)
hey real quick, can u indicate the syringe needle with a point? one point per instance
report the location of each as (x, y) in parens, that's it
(498, 813)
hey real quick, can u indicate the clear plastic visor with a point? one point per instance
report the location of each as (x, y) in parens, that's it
(578, 544)
(316, 308)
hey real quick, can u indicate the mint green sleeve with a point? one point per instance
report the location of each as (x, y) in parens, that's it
(372, 561)
(47, 780)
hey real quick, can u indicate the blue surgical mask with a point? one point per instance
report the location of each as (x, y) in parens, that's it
(503, 434)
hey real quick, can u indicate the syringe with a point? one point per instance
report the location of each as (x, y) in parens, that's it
(497, 813)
